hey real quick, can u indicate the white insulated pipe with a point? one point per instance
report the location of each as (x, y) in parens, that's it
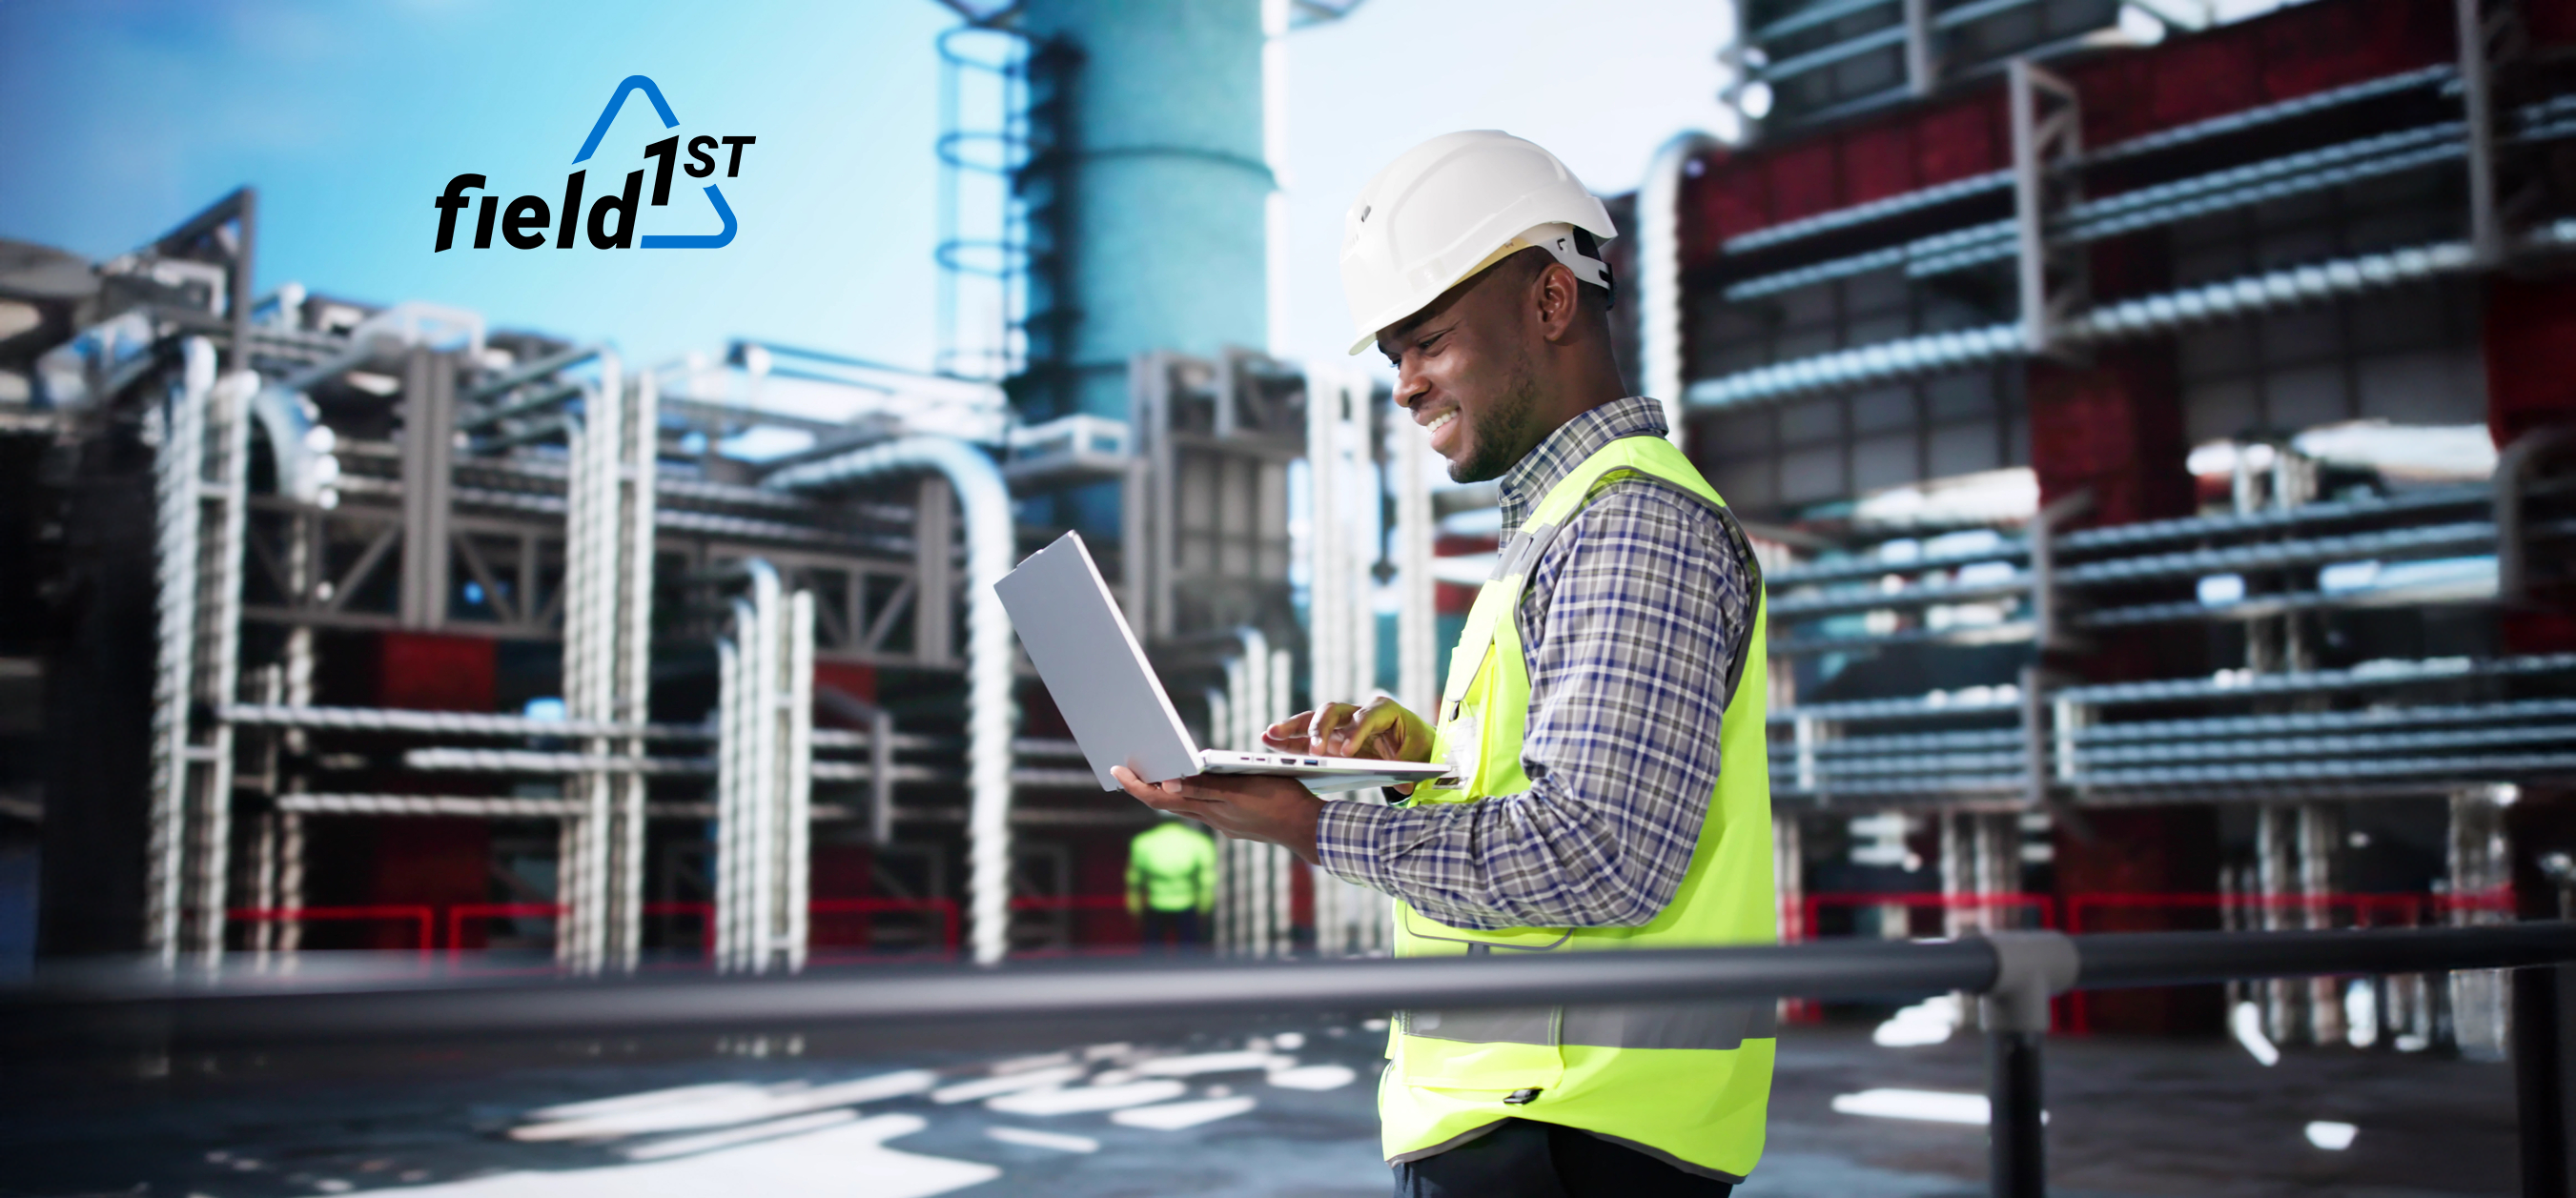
(990, 710)
(1659, 274)
(180, 473)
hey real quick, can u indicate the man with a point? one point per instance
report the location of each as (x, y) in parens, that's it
(1171, 883)
(1603, 713)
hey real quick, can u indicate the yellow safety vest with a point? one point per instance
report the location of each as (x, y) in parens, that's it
(1686, 1082)
(1171, 867)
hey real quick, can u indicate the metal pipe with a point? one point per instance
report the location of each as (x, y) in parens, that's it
(1834, 52)
(478, 806)
(797, 808)
(1805, 607)
(2512, 766)
(531, 761)
(722, 936)
(304, 471)
(529, 372)
(219, 647)
(1811, 16)
(2198, 731)
(2165, 139)
(527, 405)
(2394, 673)
(1411, 542)
(1913, 708)
(1659, 274)
(881, 777)
(2433, 540)
(448, 723)
(757, 716)
(204, 458)
(990, 708)
(2468, 498)
(316, 1009)
(181, 464)
(2475, 38)
(2146, 316)
(1858, 569)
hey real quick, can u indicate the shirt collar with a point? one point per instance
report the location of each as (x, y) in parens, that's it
(1528, 481)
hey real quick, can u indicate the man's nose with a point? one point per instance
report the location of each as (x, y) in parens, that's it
(1409, 388)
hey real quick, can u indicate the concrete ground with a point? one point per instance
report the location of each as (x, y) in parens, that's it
(1270, 1116)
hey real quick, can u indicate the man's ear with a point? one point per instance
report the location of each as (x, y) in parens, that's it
(1560, 301)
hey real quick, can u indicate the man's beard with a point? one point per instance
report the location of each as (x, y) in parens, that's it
(1502, 435)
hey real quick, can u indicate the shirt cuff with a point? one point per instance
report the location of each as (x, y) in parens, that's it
(1347, 841)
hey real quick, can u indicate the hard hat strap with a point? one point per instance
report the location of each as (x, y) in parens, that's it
(1559, 240)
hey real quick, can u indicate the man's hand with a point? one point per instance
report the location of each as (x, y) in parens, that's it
(1259, 807)
(1383, 730)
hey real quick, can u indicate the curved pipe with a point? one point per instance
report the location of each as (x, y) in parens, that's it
(990, 711)
(1659, 273)
(300, 448)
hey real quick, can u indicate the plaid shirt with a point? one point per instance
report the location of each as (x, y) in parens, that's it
(1630, 621)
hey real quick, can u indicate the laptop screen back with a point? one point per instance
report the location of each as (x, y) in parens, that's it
(1093, 666)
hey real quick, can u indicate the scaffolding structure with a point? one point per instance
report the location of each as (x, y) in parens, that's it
(366, 474)
(363, 472)
(325, 468)
(1838, 348)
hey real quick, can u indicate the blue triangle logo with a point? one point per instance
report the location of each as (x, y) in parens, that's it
(661, 108)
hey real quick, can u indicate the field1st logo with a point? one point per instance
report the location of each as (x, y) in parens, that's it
(526, 221)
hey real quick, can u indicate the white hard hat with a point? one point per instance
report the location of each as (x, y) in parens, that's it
(1453, 206)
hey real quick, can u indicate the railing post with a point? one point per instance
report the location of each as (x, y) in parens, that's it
(2540, 1026)
(2016, 1152)
(2030, 968)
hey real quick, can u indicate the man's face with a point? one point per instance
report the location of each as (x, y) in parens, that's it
(1463, 369)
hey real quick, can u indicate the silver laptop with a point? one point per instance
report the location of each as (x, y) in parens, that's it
(1119, 713)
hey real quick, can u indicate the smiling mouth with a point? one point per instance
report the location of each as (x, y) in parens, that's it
(1441, 421)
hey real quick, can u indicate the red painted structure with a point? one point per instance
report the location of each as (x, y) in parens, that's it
(2114, 425)
(2282, 56)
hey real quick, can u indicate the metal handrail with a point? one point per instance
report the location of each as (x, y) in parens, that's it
(315, 1007)
(2015, 973)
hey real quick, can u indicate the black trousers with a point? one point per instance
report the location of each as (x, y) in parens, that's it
(1180, 927)
(1526, 1159)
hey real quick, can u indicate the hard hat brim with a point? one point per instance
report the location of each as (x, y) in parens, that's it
(1488, 262)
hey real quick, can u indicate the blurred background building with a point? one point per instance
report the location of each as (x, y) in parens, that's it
(2154, 417)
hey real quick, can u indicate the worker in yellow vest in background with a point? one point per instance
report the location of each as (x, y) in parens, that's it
(1171, 884)
(1602, 715)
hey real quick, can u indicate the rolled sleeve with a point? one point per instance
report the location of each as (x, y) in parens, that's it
(1347, 839)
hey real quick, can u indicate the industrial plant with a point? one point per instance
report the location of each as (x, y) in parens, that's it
(2156, 427)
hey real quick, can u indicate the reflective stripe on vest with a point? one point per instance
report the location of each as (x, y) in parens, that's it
(1709, 1025)
(1688, 1082)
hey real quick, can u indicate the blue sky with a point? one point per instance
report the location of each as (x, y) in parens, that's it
(118, 118)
